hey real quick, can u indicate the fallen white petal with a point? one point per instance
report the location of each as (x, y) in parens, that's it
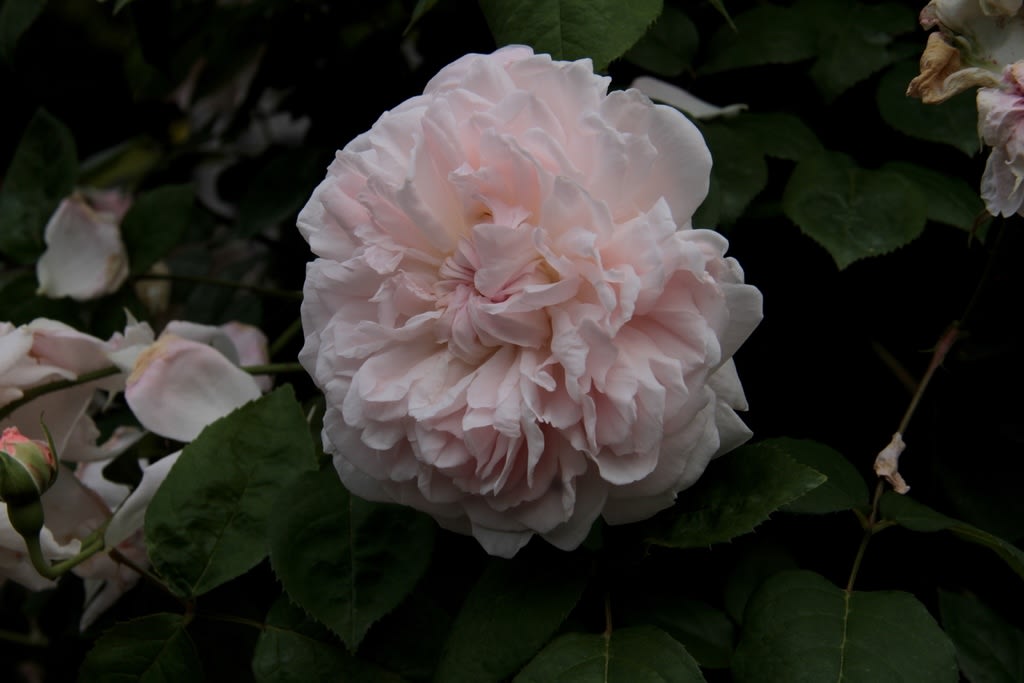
(682, 100)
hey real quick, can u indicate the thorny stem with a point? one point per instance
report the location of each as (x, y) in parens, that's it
(870, 529)
(86, 377)
(229, 284)
(871, 524)
(43, 389)
(942, 348)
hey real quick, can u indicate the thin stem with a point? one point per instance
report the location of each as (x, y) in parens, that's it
(229, 284)
(232, 619)
(607, 615)
(273, 368)
(149, 576)
(28, 639)
(285, 337)
(55, 571)
(871, 527)
(43, 389)
(942, 348)
(902, 375)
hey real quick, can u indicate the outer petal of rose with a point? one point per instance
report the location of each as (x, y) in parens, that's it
(85, 257)
(131, 514)
(179, 386)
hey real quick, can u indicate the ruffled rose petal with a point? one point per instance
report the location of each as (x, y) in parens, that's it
(515, 326)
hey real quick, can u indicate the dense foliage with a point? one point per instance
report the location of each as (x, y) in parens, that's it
(854, 209)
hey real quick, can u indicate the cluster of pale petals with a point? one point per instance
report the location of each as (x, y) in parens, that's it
(514, 323)
(1001, 126)
(975, 41)
(175, 385)
(85, 257)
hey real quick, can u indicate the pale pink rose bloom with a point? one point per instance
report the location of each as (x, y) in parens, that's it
(85, 257)
(515, 325)
(1001, 126)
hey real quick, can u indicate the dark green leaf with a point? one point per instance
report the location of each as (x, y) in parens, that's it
(799, 628)
(22, 305)
(642, 654)
(949, 200)
(410, 640)
(421, 8)
(762, 561)
(510, 614)
(41, 174)
(738, 492)
(855, 40)
(738, 175)
(989, 649)
(954, 122)
(155, 224)
(848, 40)
(293, 648)
(123, 165)
(720, 6)
(279, 190)
(152, 649)
(346, 561)
(916, 516)
(668, 47)
(707, 633)
(852, 212)
(845, 488)
(766, 34)
(16, 16)
(572, 29)
(208, 521)
(776, 134)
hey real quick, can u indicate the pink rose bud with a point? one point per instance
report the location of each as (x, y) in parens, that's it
(27, 468)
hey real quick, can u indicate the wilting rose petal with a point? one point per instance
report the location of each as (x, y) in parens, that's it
(515, 326)
(179, 386)
(1001, 126)
(85, 257)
